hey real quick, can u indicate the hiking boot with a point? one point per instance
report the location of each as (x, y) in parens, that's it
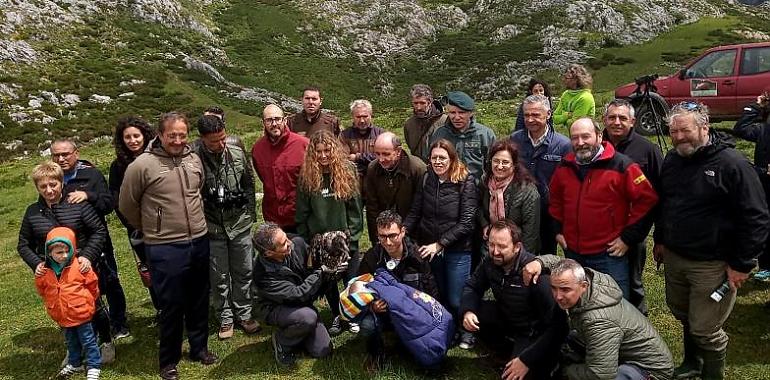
(206, 358)
(283, 356)
(107, 351)
(467, 340)
(225, 331)
(93, 374)
(336, 327)
(120, 333)
(249, 326)
(762, 275)
(354, 328)
(169, 372)
(713, 365)
(69, 370)
(692, 363)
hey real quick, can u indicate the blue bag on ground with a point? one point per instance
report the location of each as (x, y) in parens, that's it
(424, 326)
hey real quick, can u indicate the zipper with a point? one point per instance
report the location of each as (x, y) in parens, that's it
(184, 201)
(159, 218)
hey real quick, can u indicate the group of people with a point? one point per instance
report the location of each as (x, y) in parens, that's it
(460, 214)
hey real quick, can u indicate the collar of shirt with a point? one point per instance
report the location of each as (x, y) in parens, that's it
(538, 142)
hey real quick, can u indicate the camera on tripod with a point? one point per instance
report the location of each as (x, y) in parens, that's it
(223, 197)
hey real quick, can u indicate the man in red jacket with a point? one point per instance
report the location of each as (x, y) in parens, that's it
(598, 200)
(277, 158)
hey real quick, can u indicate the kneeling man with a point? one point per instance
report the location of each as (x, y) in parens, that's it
(399, 255)
(522, 322)
(286, 286)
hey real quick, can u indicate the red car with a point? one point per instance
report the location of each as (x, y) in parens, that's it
(725, 78)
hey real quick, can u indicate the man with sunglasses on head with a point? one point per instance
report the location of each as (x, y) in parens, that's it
(277, 158)
(711, 226)
(398, 254)
(287, 284)
(229, 205)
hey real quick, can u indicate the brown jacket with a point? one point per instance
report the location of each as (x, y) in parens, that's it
(417, 131)
(391, 190)
(299, 123)
(161, 195)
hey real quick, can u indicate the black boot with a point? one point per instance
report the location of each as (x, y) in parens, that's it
(713, 365)
(692, 363)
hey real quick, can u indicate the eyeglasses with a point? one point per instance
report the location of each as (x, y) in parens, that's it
(272, 120)
(63, 155)
(176, 136)
(439, 159)
(501, 163)
(386, 237)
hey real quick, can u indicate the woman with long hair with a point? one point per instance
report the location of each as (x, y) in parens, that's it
(328, 199)
(132, 135)
(508, 191)
(441, 220)
(534, 87)
(577, 100)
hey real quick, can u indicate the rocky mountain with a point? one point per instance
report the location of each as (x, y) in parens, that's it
(71, 67)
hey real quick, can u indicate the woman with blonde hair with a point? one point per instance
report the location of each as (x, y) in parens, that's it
(328, 199)
(577, 100)
(441, 220)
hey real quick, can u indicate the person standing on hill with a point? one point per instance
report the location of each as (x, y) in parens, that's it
(577, 101)
(359, 139)
(312, 119)
(277, 157)
(427, 116)
(161, 196)
(229, 205)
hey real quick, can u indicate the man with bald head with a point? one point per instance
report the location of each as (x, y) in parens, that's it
(391, 180)
(277, 158)
(599, 199)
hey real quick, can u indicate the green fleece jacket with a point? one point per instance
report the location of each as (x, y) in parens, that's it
(573, 105)
(322, 212)
(613, 331)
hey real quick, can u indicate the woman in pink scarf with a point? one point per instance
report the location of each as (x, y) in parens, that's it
(508, 191)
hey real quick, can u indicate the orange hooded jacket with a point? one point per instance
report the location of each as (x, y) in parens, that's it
(70, 298)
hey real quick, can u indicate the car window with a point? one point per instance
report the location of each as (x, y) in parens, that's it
(715, 64)
(755, 60)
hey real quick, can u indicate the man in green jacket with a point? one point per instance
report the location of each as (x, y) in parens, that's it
(229, 204)
(619, 341)
(471, 139)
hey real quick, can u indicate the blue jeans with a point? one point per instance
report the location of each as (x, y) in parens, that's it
(616, 267)
(451, 270)
(82, 339)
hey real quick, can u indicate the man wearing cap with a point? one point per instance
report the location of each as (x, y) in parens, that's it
(471, 139)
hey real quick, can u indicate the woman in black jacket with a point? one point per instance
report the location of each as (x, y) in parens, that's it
(132, 135)
(442, 221)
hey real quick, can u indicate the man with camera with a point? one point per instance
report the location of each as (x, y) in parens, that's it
(229, 206)
(754, 126)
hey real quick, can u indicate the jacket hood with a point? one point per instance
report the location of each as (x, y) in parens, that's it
(602, 292)
(156, 148)
(61, 235)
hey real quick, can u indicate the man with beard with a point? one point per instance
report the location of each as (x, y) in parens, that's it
(391, 180)
(712, 224)
(311, 119)
(599, 199)
(359, 138)
(619, 130)
(277, 158)
(427, 116)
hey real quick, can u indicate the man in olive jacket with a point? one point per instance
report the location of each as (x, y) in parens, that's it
(161, 196)
(619, 341)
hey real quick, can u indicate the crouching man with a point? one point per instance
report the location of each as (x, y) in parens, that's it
(399, 255)
(286, 286)
(522, 323)
(619, 341)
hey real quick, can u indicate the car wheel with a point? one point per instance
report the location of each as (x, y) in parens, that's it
(651, 117)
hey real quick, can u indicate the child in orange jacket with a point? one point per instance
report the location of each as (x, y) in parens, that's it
(70, 298)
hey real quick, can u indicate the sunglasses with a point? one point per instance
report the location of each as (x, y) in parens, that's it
(690, 105)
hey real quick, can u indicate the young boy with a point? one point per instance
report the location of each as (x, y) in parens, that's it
(69, 298)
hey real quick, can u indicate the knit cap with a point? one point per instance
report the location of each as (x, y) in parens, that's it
(60, 235)
(356, 297)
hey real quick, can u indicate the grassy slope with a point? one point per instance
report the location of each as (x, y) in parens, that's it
(30, 346)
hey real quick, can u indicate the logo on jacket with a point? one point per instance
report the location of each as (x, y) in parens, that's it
(436, 309)
(709, 173)
(639, 179)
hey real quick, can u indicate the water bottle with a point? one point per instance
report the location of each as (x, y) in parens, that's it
(721, 291)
